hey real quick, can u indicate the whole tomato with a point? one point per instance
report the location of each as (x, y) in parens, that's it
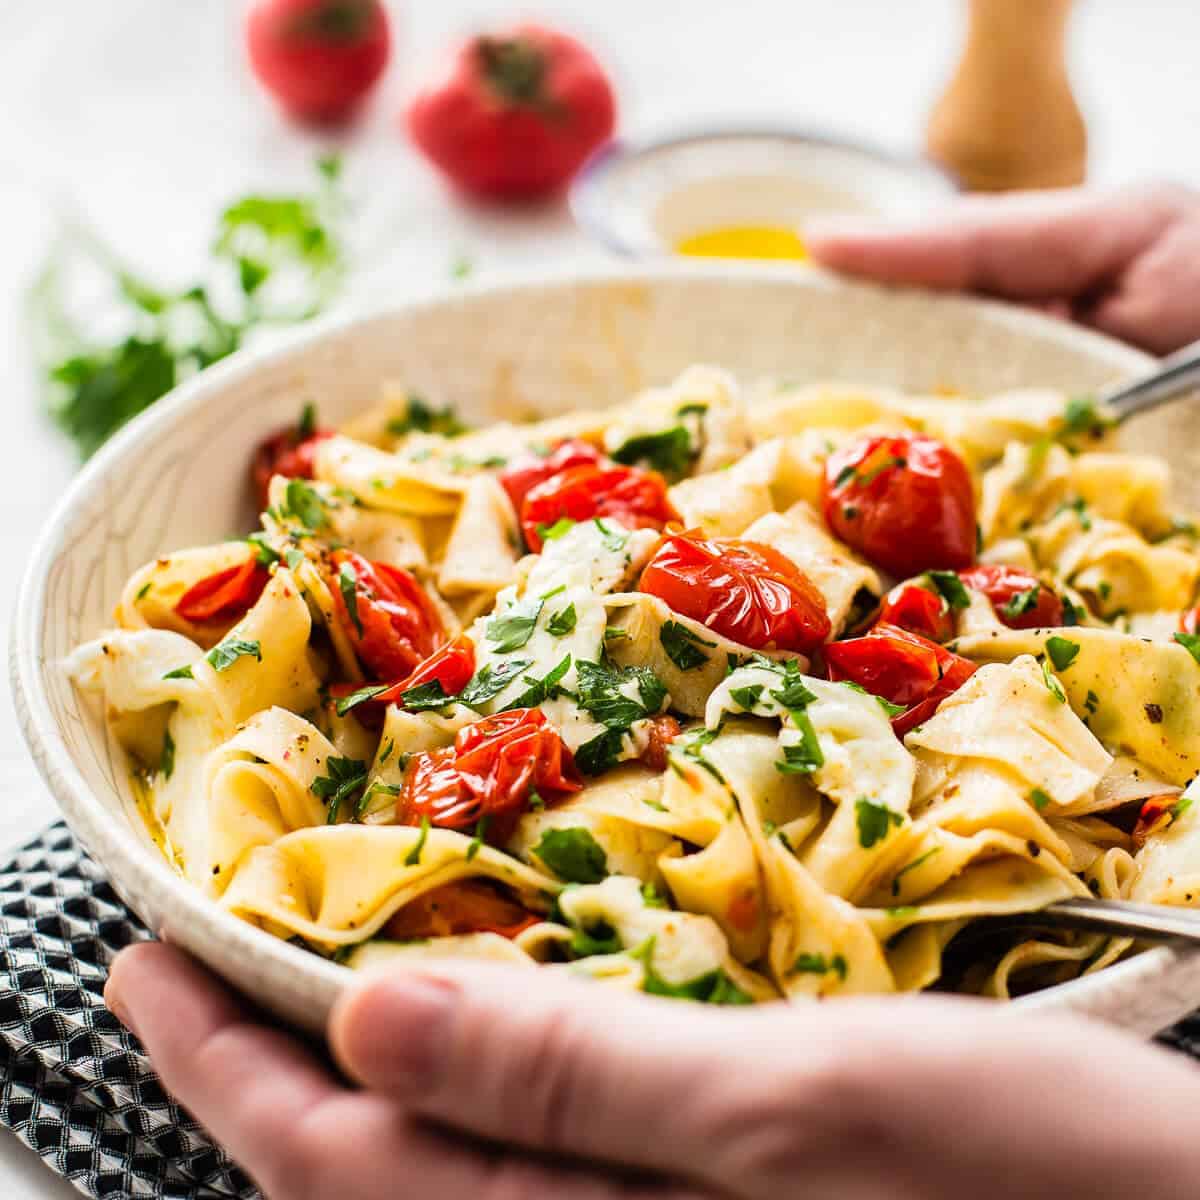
(225, 595)
(902, 667)
(631, 496)
(918, 609)
(493, 770)
(465, 906)
(517, 115)
(318, 58)
(904, 501)
(523, 475)
(1021, 600)
(745, 591)
(388, 617)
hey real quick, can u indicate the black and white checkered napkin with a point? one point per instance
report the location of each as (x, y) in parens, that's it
(73, 1084)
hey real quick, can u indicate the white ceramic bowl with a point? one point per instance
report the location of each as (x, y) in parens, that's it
(176, 477)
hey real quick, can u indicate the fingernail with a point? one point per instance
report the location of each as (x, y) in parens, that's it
(392, 1032)
(116, 1005)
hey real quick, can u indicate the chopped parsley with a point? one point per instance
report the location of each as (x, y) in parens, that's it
(1039, 799)
(805, 756)
(166, 762)
(1062, 652)
(348, 586)
(477, 841)
(1080, 509)
(294, 558)
(262, 552)
(346, 703)
(180, 673)
(550, 533)
(225, 653)
(413, 858)
(490, 680)
(1083, 415)
(563, 623)
(713, 988)
(303, 501)
(346, 779)
(669, 452)
(747, 697)
(1091, 702)
(892, 710)
(542, 689)
(1191, 643)
(613, 539)
(601, 693)
(818, 964)
(950, 588)
(144, 590)
(691, 745)
(515, 627)
(573, 855)
(874, 821)
(682, 646)
(919, 861)
(425, 696)
(419, 417)
(1021, 602)
(1052, 685)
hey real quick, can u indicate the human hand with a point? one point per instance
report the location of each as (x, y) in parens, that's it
(595, 1094)
(1124, 262)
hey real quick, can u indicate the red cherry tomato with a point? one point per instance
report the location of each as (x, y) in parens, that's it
(225, 595)
(745, 591)
(1189, 622)
(1009, 589)
(465, 906)
(903, 501)
(1156, 815)
(287, 453)
(393, 624)
(452, 666)
(517, 115)
(492, 771)
(902, 667)
(919, 610)
(525, 474)
(662, 731)
(318, 58)
(635, 498)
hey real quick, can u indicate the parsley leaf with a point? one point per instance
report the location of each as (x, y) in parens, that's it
(346, 703)
(419, 417)
(874, 821)
(892, 710)
(348, 586)
(166, 763)
(805, 756)
(1083, 415)
(563, 622)
(303, 501)
(262, 551)
(747, 697)
(669, 452)
(512, 629)
(682, 645)
(1021, 602)
(601, 695)
(490, 680)
(950, 588)
(542, 689)
(425, 696)
(1039, 799)
(573, 854)
(413, 858)
(550, 533)
(345, 779)
(225, 653)
(818, 964)
(595, 757)
(180, 673)
(1052, 685)
(715, 987)
(1191, 643)
(1062, 652)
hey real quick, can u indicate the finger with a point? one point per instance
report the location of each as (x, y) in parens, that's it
(248, 1085)
(566, 1066)
(1029, 245)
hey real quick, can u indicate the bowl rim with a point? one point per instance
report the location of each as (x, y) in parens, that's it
(583, 193)
(116, 841)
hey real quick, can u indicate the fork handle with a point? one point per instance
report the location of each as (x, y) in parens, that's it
(1176, 375)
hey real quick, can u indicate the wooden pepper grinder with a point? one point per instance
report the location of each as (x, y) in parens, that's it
(1008, 118)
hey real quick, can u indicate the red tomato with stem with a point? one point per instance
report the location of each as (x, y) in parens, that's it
(465, 906)
(902, 667)
(517, 114)
(318, 58)
(1021, 600)
(387, 615)
(631, 496)
(525, 474)
(904, 501)
(225, 595)
(745, 591)
(918, 609)
(289, 453)
(493, 770)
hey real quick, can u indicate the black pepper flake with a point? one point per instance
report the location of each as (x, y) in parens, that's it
(1154, 714)
(1034, 849)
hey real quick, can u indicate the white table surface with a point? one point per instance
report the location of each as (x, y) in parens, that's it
(139, 114)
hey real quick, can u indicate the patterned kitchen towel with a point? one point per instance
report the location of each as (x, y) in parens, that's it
(74, 1085)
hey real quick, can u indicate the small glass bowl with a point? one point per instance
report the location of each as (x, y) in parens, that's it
(643, 200)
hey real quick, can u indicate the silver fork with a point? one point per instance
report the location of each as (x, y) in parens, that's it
(1176, 375)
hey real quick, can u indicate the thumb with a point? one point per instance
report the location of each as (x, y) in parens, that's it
(558, 1065)
(1024, 246)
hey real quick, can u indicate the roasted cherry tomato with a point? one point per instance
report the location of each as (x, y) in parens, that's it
(389, 618)
(902, 667)
(1190, 621)
(903, 501)
(1157, 814)
(1021, 600)
(465, 906)
(745, 591)
(526, 473)
(493, 770)
(452, 666)
(318, 58)
(288, 453)
(225, 595)
(919, 610)
(632, 497)
(516, 115)
(662, 731)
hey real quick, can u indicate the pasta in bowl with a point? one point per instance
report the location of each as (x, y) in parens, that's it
(721, 697)
(612, 682)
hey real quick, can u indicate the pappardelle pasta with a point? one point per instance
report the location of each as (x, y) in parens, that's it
(730, 697)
